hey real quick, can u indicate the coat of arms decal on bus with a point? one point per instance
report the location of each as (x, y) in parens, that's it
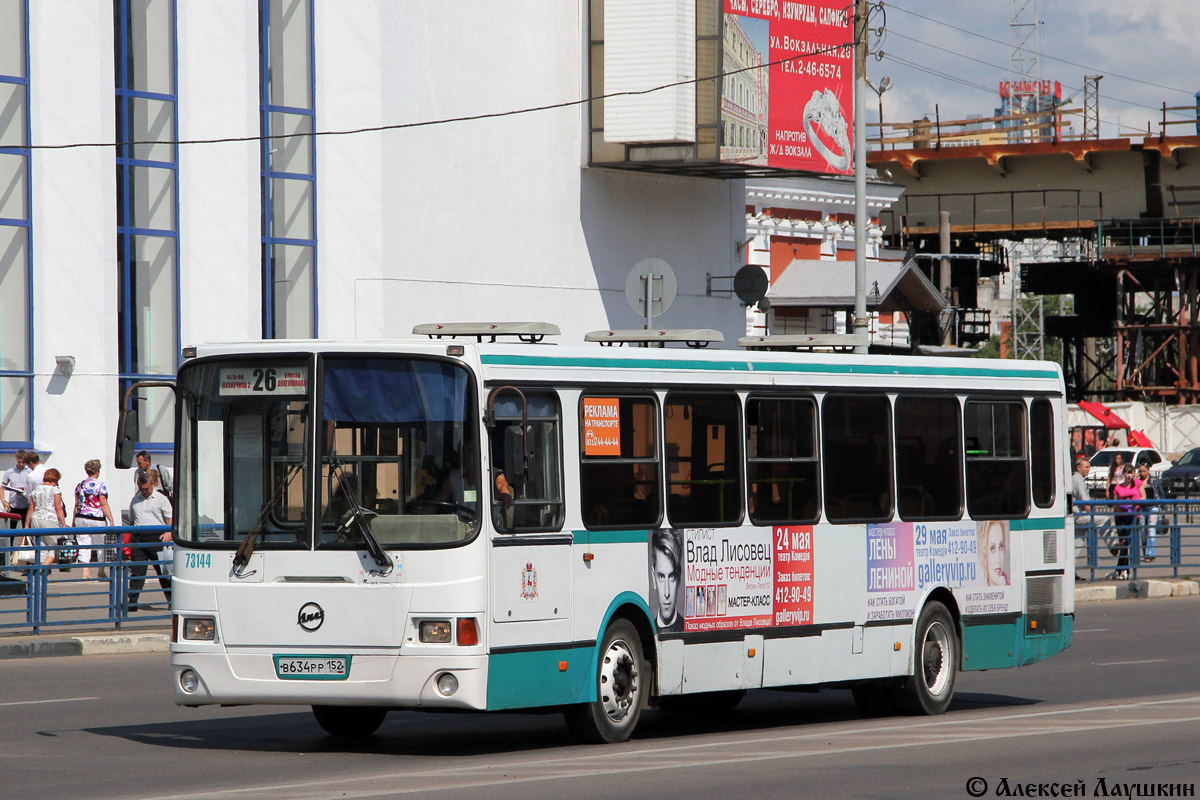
(529, 589)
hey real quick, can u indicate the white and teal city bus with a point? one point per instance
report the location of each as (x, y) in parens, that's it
(461, 523)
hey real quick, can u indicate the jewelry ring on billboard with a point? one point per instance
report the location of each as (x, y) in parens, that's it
(825, 112)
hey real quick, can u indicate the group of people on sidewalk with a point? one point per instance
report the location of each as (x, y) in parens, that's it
(1126, 485)
(32, 499)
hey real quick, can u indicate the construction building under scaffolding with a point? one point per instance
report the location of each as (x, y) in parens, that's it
(1129, 211)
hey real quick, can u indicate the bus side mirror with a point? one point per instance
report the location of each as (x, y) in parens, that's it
(514, 454)
(127, 431)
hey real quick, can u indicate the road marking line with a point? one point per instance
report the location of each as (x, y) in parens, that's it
(1089, 630)
(560, 771)
(1123, 663)
(40, 702)
(316, 788)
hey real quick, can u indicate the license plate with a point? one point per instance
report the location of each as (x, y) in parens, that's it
(312, 668)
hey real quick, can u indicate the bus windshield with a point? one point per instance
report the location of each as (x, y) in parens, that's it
(398, 452)
(396, 449)
(244, 429)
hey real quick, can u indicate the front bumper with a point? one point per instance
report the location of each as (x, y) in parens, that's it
(247, 676)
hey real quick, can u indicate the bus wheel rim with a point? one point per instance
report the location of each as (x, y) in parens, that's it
(935, 659)
(618, 681)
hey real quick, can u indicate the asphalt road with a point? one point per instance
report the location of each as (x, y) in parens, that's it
(1122, 706)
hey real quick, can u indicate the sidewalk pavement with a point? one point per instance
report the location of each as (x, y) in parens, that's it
(157, 640)
(1126, 590)
(84, 643)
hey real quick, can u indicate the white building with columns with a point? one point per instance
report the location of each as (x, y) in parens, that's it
(801, 232)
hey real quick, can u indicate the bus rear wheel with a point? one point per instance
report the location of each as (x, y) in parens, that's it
(349, 722)
(621, 680)
(935, 663)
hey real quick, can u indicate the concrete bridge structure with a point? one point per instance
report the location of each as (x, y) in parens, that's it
(1132, 205)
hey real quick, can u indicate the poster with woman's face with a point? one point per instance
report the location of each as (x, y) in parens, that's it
(993, 551)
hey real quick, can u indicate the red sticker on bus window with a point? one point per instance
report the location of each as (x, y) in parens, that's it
(601, 426)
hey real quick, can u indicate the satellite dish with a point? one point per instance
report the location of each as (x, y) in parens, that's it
(750, 284)
(663, 287)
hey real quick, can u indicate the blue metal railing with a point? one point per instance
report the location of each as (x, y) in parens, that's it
(37, 596)
(1154, 537)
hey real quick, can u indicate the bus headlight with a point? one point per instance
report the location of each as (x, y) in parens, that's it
(189, 681)
(435, 631)
(447, 684)
(199, 629)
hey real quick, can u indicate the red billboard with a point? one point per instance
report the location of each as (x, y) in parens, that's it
(787, 93)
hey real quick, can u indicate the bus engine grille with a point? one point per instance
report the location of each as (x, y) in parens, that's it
(1043, 605)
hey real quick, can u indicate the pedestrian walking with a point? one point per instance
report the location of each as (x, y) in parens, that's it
(1083, 519)
(14, 495)
(144, 465)
(36, 470)
(1126, 490)
(91, 511)
(46, 509)
(147, 507)
(15, 489)
(1153, 490)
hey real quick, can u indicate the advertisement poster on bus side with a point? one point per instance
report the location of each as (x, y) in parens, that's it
(793, 599)
(601, 426)
(995, 593)
(969, 556)
(787, 96)
(891, 574)
(728, 578)
(947, 554)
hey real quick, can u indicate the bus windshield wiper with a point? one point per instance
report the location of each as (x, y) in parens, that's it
(362, 519)
(246, 548)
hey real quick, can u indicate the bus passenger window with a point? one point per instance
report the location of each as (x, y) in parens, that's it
(703, 459)
(997, 464)
(1041, 451)
(534, 503)
(929, 482)
(857, 458)
(619, 466)
(781, 463)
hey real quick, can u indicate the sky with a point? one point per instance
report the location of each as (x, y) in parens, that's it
(1145, 49)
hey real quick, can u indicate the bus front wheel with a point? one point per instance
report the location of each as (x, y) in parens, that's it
(935, 663)
(349, 722)
(621, 680)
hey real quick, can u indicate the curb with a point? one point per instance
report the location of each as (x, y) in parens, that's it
(1139, 588)
(99, 644)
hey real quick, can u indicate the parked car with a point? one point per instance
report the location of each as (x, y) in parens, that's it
(1183, 479)
(1097, 479)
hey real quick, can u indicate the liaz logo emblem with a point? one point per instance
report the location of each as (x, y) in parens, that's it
(529, 582)
(310, 617)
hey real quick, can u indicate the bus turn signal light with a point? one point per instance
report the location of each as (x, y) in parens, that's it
(468, 634)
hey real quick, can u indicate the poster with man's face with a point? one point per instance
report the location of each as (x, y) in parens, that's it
(666, 578)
